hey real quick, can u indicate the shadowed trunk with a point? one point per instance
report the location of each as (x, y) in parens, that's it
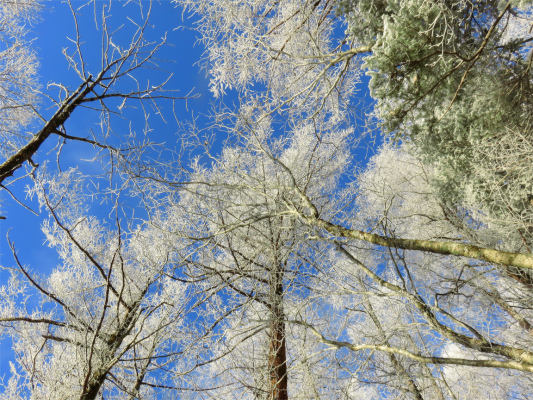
(277, 356)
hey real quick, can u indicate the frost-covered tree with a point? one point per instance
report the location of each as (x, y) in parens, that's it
(109, 321)
(259, 257)
(397, 278)
(451, 296)
(455, 78)
(288, 52)
(108, 85)
(271, 265)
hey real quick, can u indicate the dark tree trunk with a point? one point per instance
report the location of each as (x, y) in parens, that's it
(277, 357)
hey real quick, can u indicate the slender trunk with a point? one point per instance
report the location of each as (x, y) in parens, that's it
(96, 379)
(93, 388)
(277, 356)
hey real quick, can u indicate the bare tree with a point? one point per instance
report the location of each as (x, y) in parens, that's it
(116, 86)
(262, 263)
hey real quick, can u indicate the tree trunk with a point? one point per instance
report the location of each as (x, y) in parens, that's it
(277, 356)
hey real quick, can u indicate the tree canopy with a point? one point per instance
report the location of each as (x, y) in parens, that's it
(351, 219)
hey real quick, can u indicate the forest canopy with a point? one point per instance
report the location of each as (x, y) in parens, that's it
(343, 209)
